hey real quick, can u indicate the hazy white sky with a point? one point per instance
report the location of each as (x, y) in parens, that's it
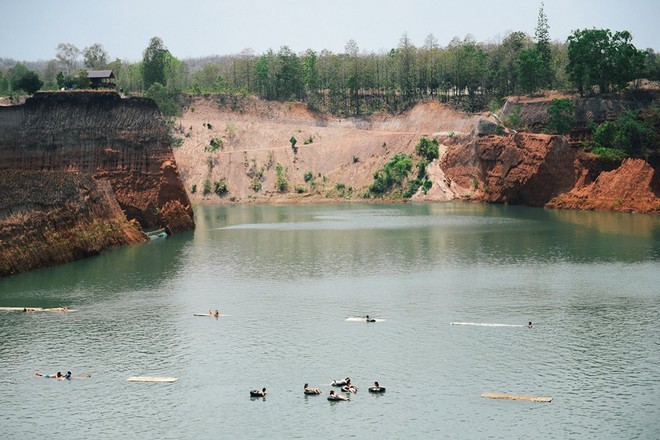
(30, 30)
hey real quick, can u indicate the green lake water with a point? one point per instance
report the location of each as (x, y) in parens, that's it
(287, 277)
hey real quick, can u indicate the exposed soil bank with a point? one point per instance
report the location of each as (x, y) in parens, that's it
(335, 158)
(103, 150)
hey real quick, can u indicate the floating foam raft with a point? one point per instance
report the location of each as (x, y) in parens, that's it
(152, 379)
(35, 309)
(544, 399)
(364, 319)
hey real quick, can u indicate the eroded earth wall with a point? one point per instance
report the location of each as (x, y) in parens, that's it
(121, 146)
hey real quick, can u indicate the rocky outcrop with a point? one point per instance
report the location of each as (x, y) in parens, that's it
(525, 169)
(124, 141)
(121, 144)
(543, 170)
(56, 217)
(632, 187)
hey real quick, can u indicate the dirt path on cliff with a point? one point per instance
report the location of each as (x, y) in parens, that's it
(255, 136)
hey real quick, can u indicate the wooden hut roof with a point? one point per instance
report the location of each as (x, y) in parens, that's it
(100, 74)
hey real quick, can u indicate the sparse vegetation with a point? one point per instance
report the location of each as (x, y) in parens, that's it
(214, 145)
(231, 130)
(512, 120)
(293, 144)
(281, 182)
(220, 188)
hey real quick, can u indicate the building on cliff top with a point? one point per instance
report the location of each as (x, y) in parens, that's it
(101, 79)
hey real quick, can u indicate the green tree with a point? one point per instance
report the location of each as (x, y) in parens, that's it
(82, 79)
(542, 37)
(205, 79)
(288, 76)
(281, 182)
(15, 75)
(354, 80)
(174, 71)
(154, 59)
(503, 63)
(164, 99)
(405, 61)
(628, 134)
(310, 73)
(393, 175)
(427, 148)
(60, 80)
(530, 71)
(264, 73)
(29, 82)
(4, 84)
(596, 57)
(561, 116)
(49, 75)
(652, 62)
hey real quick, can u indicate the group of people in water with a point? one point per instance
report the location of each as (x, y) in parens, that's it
(345, 384)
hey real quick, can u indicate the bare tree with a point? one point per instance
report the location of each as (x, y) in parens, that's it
(67, 55)
(95, 57)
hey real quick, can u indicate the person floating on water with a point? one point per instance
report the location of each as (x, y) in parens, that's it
(216, 313)
(370, 319)
(261, 393)
(57, 375)
(376, 388)
(529, 324)
(309, 390)
(335, 396)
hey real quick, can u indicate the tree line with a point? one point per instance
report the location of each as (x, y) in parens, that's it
(466, 73)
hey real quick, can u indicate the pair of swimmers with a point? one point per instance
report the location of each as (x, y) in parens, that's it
(349, 387)
(57, 375)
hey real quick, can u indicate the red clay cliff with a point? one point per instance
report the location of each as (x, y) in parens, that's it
(123, 145)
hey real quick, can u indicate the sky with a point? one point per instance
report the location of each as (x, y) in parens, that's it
(30, 30)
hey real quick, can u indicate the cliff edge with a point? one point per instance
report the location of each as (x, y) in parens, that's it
(104, 150)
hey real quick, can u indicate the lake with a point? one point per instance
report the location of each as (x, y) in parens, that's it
(286, 278)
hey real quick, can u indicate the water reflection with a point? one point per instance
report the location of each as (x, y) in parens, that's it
(286, 277)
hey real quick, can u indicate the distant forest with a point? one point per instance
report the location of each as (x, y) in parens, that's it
(468, 74)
